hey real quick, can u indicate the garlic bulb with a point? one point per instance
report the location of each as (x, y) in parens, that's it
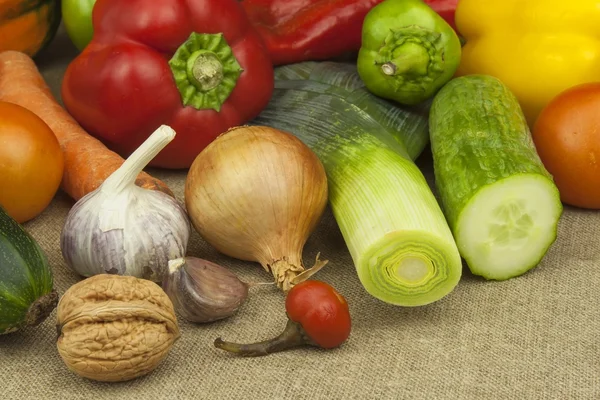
(257, 193)
(123, 229)
(202, 291)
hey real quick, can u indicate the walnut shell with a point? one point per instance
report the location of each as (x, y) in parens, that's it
(115, 328)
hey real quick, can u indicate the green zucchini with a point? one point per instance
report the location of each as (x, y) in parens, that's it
(500, 202)
(395, 231)
(27, 295)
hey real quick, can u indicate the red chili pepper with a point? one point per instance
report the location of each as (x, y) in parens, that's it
(317, 316)
(197, 66)
(303, 30)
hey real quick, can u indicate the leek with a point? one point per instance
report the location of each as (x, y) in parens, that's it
(406, 124)
(395, 231)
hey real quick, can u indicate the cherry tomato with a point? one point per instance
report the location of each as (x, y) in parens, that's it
(322, 312)
(567, 137)
(31, 162)
(317, 316)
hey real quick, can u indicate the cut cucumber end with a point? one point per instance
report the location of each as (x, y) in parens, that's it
(410, 268)
(508, 226)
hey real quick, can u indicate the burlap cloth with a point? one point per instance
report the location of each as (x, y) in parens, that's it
(533, 337)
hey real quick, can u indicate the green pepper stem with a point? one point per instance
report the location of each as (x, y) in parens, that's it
(292, 336)
(408, 58)
(205, 71)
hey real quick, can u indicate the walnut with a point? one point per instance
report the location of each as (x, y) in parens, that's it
(115, 328)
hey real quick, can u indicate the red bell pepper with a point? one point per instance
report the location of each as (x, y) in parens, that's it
(302, 30)
(195, 65)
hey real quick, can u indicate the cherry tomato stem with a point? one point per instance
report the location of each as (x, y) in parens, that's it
(317, 316)
(292, 336)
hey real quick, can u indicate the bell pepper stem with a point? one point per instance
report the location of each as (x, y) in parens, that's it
(292, 336)
(410, 58)
(205, 71)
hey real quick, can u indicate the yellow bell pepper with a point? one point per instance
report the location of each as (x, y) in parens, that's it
(538, 48)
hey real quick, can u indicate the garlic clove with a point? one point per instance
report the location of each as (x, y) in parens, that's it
(202, 291)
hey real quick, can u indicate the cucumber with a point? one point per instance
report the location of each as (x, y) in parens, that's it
(27, 295)
(500, 202)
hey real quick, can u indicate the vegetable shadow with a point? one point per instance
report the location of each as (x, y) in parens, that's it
(58, 53)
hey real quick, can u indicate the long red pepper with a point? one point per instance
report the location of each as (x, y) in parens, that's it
(302, 30)
(299, 30)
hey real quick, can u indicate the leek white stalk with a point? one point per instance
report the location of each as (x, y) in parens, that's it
(123, 229)
(400, 242)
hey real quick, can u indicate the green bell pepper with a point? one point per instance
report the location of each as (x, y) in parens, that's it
(408, 52)
(77, 17)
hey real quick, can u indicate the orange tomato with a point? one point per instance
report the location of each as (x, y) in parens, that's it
(31, 162)
(567, 138)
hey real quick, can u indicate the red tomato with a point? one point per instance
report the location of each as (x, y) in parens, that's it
(567, 138)
(31, 162)
(322, 312)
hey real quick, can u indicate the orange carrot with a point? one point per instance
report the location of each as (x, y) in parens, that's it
(88, 162)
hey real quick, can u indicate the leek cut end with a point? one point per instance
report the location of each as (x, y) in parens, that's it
(410, 268)
(413, 270)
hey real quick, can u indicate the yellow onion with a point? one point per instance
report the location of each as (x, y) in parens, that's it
(256, 194)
